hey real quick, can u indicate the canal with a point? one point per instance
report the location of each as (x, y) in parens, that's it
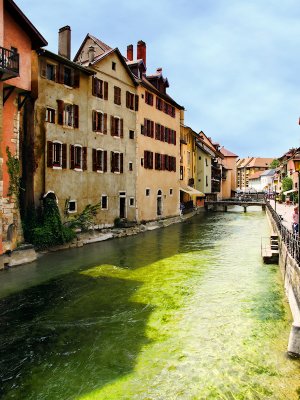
(185, 312)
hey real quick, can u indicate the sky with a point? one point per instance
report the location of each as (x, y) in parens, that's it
(233, 64)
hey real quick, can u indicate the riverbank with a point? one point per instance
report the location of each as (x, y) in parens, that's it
(25, 254)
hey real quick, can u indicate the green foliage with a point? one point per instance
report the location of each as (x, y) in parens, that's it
(287, 184)
(50, 231)
(84, 220)
(274, 164)
(13, 168)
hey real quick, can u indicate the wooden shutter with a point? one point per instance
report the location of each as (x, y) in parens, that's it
(60, 112)
(121, 128)
(60, 75)
(76, 116)
(76, 78)
(174, 158)
(152, 128)
(112, 126)
(94, 159)
(127, 99)
(174, 137)
(43, 68)
(105, 162)
(162, 133)
(162, 158)
(94, 127)
(145, 127)
(145, 159)
(121, 163)
(94, 86)
(136, 102)
(112, 161)
(72, 162)
(151, 159)
(105, 90)
(105, 123)
(84, 158)
(64, 155)
(49, 153)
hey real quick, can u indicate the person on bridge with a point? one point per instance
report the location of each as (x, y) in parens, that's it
(295, 219)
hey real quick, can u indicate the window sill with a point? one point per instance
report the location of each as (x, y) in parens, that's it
(56, 167)
(99, 171)
(78, 169)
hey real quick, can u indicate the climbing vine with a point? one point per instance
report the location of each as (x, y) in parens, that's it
(13, 168)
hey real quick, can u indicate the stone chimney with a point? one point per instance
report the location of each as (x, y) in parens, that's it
(64, 42)
(130, 52)
(141, 51)
(91, 53)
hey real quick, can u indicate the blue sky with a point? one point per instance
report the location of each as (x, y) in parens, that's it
(234, 65)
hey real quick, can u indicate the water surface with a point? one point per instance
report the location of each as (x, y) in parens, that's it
(185, 312)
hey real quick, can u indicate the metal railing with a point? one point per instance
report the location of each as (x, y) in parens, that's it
(289, 238)
(9, 60)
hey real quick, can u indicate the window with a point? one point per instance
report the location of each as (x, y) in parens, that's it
(181, 172)
(171, 192)
(116, 162)
(130, 166)
(113, 65)
(50, 115)
(78, 157)
(188, 157)
(99, 88)
(99, 160)
(131, 201)
(117, 95)
(206, 180)
(51, 72)
(147, 192)
(131, 134)
(149, 98)
(148, 159)
(56, 155)
(68, 114)
(159, 103)
(116, 126)
(99, 121)
(104, 202)
(72, 206)
(68, 76)
(130, 100)
(148, 128)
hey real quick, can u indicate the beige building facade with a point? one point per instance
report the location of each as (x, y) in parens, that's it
(229, 175)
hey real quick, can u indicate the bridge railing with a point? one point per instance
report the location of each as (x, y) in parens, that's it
(289, 238)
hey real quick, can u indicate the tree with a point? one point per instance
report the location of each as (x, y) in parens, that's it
(274, 164)
(287, 184)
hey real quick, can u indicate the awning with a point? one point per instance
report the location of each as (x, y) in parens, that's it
(191, 191)
(290, 191)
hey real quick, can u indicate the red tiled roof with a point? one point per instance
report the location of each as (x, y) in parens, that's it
(255, 175)
(227, 153)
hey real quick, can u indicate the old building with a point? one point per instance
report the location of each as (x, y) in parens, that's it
(157, 141)
(18, 37)
(250, 165)
(228, 173)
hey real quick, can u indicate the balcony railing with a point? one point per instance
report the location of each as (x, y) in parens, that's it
(9, 64)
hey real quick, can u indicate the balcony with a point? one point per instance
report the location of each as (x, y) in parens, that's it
(9, 64)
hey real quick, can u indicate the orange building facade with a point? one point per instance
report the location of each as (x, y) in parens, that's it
(18, 37)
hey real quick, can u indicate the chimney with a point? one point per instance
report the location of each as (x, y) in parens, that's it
(64, 42)
(91, 53)
(141, 51)
(159, 70)
(130, 52)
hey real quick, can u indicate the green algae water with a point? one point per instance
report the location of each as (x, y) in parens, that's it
(185, 312)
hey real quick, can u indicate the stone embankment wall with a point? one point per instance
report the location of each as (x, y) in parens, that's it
(290, 271)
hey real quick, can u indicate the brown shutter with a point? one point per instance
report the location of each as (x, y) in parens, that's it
(119, 96)
(162, 133)
(151, 159)
(64, 155)
(174, 137)
(60, 112)
(76, 78)
(105, 123)
(136, 102)
(127, 99)
(163, 166)
(145, 128)
(105, 90)
(145, 159)
(49, 153)
(94, 127)
(43, 68)
(121, 128)
(157, 131)
(76, 116)
(105, 161)
(94, 86)
(84, 158)
(174, 163)
(60, 75)
(112, 161)
(72, 163)
(152, 128)
(121, 163)
(156, 160)
(94, 159)
(112, 126)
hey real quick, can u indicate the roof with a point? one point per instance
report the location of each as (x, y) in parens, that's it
(243, 162)
(260, 162)
(268, 172)
(37, 39)
(255, 175)
(57, 57)
(103, 46)
(227, 153)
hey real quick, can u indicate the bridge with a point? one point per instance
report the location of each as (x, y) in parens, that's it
(224, 204)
